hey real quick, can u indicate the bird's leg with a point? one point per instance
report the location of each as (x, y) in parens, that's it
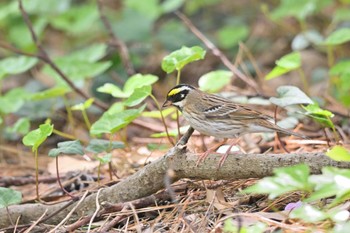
(224, 156)
(212, 149)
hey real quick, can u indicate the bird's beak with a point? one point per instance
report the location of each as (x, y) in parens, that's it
(167, 103)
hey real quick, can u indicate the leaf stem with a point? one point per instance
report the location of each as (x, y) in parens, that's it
(163, 120)
(36, 174)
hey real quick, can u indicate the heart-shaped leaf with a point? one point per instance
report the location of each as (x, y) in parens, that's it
(68, 148)
(289, 95)
(138, 96)
(180, 58)
(101, 145)
(36, 137)
(111, 123)
(214, 81)
(9, 197)
(285, 180)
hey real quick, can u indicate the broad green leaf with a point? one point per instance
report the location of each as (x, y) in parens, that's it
(338, 37)
(113, 90)
(339, 153)
(50, 93)
(21, 126)
(16, 65)
(285, 180)
(150, 8)
(180, 58)
(116, 107)
(101, 145)
(214, 81)
(105, 159)
(68, 148)
(138, 96)
(9, 197)
(332, 182)
(287, 63)
(341, 68)
(308, 213)
(229, 36)
(1, 120)
(137, 81)
(91, 54)
(36, 137)
(111, 123)
(289, 95)
(320, 115)
(82, 19)
(13, 100)
(83, 106)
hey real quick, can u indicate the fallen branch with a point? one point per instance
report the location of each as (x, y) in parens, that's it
(147, 181)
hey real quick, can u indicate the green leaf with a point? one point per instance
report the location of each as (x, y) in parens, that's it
(100, 145)
(68, 148)
(332, 182)
(36, 137)
(1, 120)
(83, 106)
(229, 36)
(111, 123)
(90, 54)
(287, 63)
(113, 90)
(308, 213)
(105, 159)
(286, 179)
(339, 153)
(338, 37)
(320, 115)
(214, 81)
(289, 95)
(13, 100)
(16, 65)
(134, 82)
(150, 8)
(179, 58)
(171, 5)
(137, 81)
(50, 93)
(21, 126)
(138, 96)
(9, 197)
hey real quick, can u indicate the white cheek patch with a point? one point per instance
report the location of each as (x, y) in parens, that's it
(178, 104)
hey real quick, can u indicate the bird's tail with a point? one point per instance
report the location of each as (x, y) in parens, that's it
(289, 132)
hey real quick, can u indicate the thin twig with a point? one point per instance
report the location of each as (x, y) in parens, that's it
(46, 58)
(36, 222)
(70, 213)
(115, 41)
(98, 207)
(218, 53)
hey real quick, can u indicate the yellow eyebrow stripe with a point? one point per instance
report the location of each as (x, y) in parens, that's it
(174, 91)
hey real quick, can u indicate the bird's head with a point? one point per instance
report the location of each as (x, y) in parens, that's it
(177, 95)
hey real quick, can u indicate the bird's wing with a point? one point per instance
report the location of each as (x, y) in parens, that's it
(223, 109)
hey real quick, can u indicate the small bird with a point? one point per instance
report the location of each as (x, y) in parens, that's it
(219, 117)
